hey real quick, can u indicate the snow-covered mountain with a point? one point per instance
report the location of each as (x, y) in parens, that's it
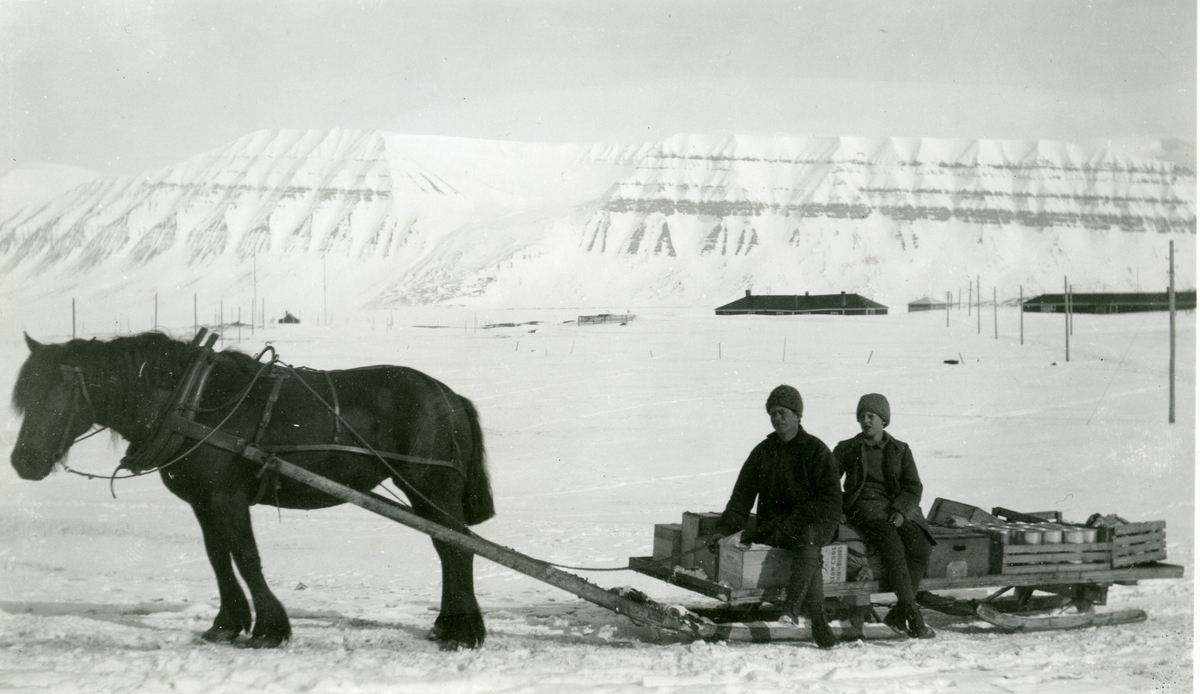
(374, 219)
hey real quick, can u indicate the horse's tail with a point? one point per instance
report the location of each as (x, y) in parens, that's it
(478, 505)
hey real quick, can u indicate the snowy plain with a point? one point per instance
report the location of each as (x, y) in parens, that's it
(596, 433)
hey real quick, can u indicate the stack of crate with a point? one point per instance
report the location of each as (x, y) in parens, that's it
(756, 566)
(1114, 547)
(1138, 543)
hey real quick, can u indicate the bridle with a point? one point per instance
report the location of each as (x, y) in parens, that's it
(73, 375)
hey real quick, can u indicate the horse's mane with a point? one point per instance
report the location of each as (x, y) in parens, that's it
(129, 365)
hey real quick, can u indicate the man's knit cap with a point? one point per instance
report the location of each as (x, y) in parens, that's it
(874, 402)
(786, 396)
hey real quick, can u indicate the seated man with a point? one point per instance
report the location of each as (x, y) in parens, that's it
(882, 500)
(792, 475)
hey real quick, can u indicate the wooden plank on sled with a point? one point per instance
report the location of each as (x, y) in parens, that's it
(1018, 623)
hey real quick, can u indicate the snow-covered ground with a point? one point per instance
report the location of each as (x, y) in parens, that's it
(596, 433)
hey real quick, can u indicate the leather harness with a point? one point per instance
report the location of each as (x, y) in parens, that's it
(177, 424)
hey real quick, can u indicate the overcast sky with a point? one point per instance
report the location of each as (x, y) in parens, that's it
(121, 86)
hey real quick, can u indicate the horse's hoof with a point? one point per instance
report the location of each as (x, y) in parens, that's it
(262, 642)
(460, 631)
(220, 635)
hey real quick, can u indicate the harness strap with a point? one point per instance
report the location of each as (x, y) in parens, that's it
(74, 375)
(280, 377)
(162, 443)
(244, 448)
(337, 410)
(362, 451)
(273, 479)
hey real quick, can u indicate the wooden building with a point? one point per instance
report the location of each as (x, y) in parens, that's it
(842, 304)
(1110, 302)
(926, 304)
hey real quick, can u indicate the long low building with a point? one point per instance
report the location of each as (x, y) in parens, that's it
(842, 304)
(1109, 302)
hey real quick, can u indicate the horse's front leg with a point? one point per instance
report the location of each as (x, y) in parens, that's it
(271, 625)
(233, 617)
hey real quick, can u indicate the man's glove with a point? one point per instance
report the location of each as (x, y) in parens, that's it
(897, 518)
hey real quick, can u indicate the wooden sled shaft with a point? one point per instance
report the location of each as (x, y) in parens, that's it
(640, 613)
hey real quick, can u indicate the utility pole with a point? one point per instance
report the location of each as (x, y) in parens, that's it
(1171, 307)
(978, 307)
(1021, 311)
(948, 298)
(1067, 317)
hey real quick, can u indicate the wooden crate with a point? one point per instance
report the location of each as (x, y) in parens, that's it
(1138, 543)
(764, 567)
(668, 543)
(961, 552)
(696, 525)
(1030, 559)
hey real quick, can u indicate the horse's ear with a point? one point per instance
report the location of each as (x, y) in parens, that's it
(34, 345)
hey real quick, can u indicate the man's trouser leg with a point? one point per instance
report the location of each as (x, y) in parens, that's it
(902, 570)
(806, 592)
(885, 539)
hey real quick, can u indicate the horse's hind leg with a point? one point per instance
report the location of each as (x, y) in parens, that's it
(233, 617)
(460, 623)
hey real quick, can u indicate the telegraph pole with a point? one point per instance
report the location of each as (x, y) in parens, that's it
(1021, 310)
(1171, 307)
(1067, 317)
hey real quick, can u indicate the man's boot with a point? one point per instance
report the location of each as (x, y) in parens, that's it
(917, 627)
(821, 631)
(897, 618)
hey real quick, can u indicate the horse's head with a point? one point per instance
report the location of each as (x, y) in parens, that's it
(52, 395)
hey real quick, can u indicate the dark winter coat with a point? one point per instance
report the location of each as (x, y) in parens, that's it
(901, 483)
(795, 484)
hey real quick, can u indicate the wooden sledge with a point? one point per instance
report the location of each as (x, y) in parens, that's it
(1065, 576)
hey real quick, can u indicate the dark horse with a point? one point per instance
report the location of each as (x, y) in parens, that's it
(127, 383)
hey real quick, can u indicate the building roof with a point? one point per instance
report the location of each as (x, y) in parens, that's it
(795, 302)
(1111, 298)
(926, 301)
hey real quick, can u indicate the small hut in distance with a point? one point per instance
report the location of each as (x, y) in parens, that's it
(926, 304)
(288, 318)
